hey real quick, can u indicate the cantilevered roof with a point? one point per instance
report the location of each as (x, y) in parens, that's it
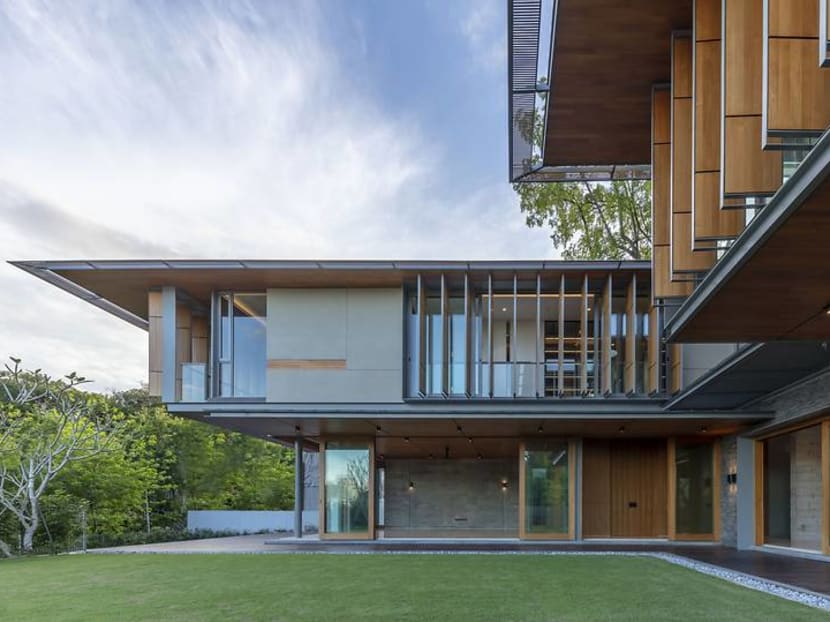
(120, 287)
(754, 371)
(605, 57)
(774, 281)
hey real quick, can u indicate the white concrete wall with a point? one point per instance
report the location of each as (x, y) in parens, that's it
(248, 521)
(364, 327)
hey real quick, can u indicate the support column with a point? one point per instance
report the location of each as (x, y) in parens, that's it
(746, 493)
(299, 489)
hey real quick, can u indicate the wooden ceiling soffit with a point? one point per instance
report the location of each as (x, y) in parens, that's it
(749, 175)
(790, 37)
(710, 225)
(685, 262)
(662, 285)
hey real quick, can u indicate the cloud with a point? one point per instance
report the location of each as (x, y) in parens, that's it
(200, 129)
(485, 30)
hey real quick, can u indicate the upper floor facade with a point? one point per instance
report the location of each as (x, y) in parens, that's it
(387, 333)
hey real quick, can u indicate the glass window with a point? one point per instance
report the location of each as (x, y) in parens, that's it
(458, 346)
(242, 358)
(546, 502)
(792, 489)
(694, 483)
(347, 472)
(434, 343)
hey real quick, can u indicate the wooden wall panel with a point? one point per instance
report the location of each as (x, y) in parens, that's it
(793, 18)
(661, 284)
(824, 33)
(156, 340)
(676, 371)
(199, 339)
(684, 261)
(746, 170)
(710, 223)
(792, 69)
(184, 320)
(631, 337)
(596, 489)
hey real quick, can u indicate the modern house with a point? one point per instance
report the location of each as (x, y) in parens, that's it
(680, 399)
(724, 106)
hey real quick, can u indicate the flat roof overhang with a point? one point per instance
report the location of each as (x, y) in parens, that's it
(120, 287)
(605, 57)
(755, 371)
(774, 281)
(480, 428)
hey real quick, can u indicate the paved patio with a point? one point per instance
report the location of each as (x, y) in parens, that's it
(805, 574)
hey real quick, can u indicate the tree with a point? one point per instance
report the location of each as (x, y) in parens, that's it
(45, 425)
(607, 220)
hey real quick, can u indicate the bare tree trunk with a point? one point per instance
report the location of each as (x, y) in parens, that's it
(30, 528)
(5, 549)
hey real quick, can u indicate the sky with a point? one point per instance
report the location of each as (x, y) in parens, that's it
(344, 129)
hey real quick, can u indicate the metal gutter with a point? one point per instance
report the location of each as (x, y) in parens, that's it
(807, 177)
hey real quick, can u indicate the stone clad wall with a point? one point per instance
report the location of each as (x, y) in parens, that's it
(805, 489)
(452, 495)
(728, 492)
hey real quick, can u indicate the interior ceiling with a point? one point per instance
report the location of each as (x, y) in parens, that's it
(607, 55)
(782, 289)
(489, 436)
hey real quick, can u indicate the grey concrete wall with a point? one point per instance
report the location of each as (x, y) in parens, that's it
(452, 495)
(728, 492)
(698, 358)
(364, 327)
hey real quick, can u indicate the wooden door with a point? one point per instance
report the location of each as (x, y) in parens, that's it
(638, 489)
(596, 488)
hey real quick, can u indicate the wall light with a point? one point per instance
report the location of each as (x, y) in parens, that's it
(504, 485)
(732, 478)
(411, 486)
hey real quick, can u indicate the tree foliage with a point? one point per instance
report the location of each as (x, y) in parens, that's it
(135, 467)
(592, 220)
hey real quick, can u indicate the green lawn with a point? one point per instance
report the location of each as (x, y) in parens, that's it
(374, 587)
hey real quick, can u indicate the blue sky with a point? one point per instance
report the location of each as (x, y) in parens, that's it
(338, 129)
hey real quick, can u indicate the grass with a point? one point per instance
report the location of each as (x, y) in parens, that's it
(374, 587)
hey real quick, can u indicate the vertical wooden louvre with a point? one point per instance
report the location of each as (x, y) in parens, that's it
(607, 293)
(631, 337)
(710, 223)
(662, 285)
(748, 174)
(184, 318)
(676, 373)
(653, 350)
(583, 338)
(791, 34)
(684, 261)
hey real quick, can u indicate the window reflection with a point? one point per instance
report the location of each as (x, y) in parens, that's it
(546, 499)
(241, 357)
(694, 488)
(347, 472)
